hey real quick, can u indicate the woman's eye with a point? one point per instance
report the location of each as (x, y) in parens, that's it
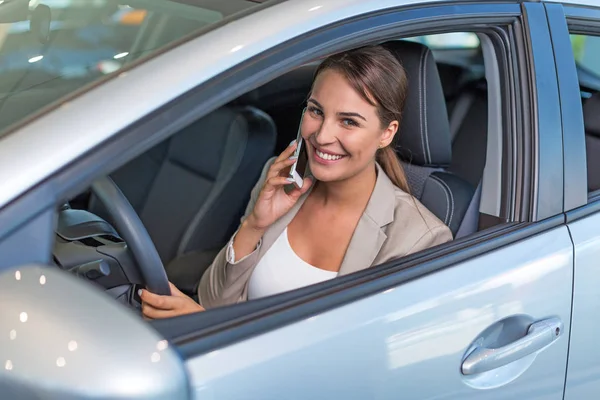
(349, 122)
(315, 111)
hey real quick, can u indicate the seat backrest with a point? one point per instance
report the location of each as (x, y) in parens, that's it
(591, 119)
(424, 144)
(190, 191)
(469, 124)
(283, 99)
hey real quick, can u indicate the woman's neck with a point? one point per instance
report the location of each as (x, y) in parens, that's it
(350, 193)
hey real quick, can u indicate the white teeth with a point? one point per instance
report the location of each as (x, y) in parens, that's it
(329, 157)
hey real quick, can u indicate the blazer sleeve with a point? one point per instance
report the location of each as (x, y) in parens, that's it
(436, 236)
(223, 283)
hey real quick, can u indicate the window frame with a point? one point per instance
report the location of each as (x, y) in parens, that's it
(565, 20)
(189, 335)
(532, 205)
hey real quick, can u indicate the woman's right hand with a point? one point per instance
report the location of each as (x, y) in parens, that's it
(273, 202)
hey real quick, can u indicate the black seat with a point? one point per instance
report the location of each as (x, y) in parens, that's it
(591, 119)
(283, 99)
(424, 144)
(190, 191)
(468, 128)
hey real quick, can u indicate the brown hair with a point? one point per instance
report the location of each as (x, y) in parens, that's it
(380, 79)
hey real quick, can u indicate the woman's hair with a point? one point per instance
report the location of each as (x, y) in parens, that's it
(379, 78)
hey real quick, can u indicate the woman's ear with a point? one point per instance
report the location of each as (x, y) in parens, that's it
(388, 134)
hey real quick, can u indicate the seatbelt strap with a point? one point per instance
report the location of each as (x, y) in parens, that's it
(459, 112)
(470, 222)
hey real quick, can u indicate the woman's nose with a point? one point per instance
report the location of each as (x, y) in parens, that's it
(326, 133)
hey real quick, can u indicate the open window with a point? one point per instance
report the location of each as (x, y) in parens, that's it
(585, 50)
(191, 189)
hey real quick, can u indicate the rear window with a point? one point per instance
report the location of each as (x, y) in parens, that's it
(586, 50)
(50, 48)
(449, 41)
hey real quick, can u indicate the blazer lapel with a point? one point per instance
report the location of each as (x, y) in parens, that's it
(369, 235)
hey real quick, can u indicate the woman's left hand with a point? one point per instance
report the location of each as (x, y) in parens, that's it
(155, 306)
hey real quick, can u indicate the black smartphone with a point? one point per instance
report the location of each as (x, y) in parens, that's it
(299, 168)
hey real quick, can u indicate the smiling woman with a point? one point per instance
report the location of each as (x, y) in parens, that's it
(353, 212)
(78, 43)
(380, 81)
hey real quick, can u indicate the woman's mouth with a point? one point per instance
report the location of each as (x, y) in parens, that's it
(323, 157)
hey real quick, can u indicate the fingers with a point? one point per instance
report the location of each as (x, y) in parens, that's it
(288, 152)
(306, 185)
(150, 312)
(158, 301)
(155, 306)
(296, 193)
(283, 160)
(278, 181)
(277, 167)
(176, 292)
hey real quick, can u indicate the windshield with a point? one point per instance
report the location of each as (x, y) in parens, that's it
(50, 48)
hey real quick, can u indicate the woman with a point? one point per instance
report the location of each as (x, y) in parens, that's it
(354, 212)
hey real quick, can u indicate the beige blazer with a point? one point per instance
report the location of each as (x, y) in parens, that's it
(391, 227)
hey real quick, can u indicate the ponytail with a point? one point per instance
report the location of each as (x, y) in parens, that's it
(388, 160)
(390, 164)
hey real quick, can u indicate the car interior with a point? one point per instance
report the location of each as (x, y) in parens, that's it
(591, 119)
(191, 190)
(588, 70)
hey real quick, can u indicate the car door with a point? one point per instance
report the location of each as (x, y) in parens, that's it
(484, 318)
(576, 36)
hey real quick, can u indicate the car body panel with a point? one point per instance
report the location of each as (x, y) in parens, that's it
(583, 221)
(408, 341)
(584, 353)
(549, 180)
(574, 152)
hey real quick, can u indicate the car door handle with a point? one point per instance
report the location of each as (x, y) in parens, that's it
(539, 335)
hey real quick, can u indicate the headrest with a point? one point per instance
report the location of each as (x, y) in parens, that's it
(298, 81)
(591, 115)
(425, 131)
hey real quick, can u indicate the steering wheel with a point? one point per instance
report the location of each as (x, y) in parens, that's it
(132, 230)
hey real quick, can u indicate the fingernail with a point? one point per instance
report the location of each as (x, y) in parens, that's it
(292, 142)
(290, 180)
(293, 158)
(140, 292)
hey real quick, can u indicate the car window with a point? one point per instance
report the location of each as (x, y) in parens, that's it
(50, 48)
(447, 41)
(586, 50)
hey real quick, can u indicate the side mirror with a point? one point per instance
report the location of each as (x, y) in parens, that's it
(63, 338)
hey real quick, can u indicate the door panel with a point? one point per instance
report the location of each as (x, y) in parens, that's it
(583, 378)
(583, 218)
(409, 342)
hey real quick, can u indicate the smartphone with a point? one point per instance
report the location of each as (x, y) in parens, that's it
(299, 168)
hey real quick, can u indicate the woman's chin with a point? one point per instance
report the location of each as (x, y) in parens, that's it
(324, 174)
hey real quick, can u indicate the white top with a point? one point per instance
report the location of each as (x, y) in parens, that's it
(281, 270)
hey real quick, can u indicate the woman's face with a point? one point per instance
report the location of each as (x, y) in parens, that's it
(342, 131)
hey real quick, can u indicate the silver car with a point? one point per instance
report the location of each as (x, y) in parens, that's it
(131, 133)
